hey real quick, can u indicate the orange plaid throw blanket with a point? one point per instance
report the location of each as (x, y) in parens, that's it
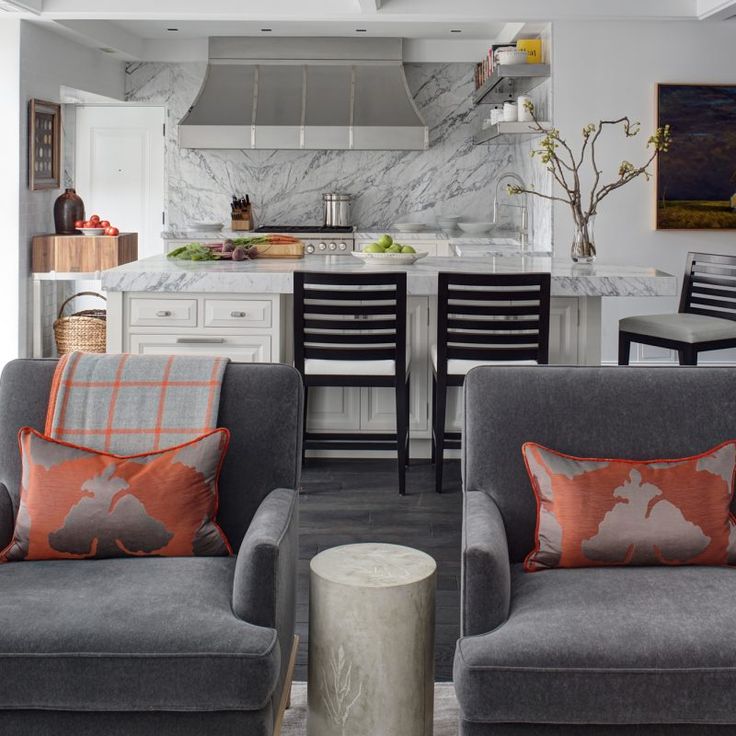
(129, 404)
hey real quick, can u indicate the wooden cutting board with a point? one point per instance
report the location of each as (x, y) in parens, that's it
(80, 254)
(280, 250)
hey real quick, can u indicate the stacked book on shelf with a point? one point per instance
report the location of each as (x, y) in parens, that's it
(484, 69)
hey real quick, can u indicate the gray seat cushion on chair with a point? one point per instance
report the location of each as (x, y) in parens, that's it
(683, 327)
(130, 635)
(606, 646)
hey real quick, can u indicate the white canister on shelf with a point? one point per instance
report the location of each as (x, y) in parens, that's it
(525, 115)
(510, 112)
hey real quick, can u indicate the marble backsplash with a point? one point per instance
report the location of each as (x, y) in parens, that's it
(452, 177)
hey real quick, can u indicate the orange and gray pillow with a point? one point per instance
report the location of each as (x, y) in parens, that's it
(601, 512)
(79, 503)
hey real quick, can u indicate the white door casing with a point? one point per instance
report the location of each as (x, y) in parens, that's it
(119, 169)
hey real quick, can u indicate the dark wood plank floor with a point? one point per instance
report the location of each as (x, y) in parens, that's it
(349, 501)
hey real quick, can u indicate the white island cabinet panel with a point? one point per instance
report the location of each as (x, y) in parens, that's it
(243, 311)
(252, 349)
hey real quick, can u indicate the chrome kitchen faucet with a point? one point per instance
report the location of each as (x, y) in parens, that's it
(524, 222)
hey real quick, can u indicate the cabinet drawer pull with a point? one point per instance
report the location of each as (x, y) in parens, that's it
(200, 340)
(163, 313)
(238, 314)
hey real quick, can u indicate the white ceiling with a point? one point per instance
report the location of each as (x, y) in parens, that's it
(138, 29)
(156, 29)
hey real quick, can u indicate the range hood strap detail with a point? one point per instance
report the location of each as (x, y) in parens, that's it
(351, 127)
(255, 106)
(304, 107)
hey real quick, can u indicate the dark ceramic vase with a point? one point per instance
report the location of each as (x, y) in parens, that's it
(68, 208)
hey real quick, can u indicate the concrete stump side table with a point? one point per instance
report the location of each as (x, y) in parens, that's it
(371, 641)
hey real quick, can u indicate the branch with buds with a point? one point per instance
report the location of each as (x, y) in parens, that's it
(566, 167)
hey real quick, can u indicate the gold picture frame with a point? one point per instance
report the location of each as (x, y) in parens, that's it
(695, 181)
(44, 145)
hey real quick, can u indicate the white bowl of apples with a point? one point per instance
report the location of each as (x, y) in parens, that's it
(95, 227)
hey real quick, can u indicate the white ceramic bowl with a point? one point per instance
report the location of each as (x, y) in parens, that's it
(92, 232)
(388, 259)
(504, 58)
(448, 223)
(409, 227)
(475, 228)
(204, 226)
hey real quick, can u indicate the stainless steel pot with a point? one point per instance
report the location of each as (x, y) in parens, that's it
(337, 209)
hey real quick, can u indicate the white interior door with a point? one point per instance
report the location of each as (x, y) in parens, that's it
(119, 169)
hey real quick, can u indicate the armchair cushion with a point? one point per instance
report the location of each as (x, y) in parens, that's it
(131, 635)
(606, 646)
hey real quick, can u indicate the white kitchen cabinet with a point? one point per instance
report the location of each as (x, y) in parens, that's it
(246, 330)
(241, 349)
(333, 409)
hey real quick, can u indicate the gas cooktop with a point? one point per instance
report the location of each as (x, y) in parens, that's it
(316, 229)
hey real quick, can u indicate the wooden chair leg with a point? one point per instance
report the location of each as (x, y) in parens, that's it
(285, 700)
(624, 349)
(688, 355)
(408, 421)
(304, 423)
(402, 432)
(440, 400)
(433, 399)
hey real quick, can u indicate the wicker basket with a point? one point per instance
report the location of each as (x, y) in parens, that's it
(85, 331)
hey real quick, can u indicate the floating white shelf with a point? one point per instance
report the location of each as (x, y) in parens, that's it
(509, 80)
(502, 133)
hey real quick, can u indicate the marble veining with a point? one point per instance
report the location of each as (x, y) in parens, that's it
(275, 276)
(452, 177)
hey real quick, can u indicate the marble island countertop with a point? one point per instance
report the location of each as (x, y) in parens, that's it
(275, 276)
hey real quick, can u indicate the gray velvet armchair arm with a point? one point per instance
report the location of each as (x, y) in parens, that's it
(486, 568)
(264, 585)
(265, 572)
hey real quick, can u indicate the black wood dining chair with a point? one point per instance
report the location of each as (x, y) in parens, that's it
(483, 319)
(350, 330)
(706, 319)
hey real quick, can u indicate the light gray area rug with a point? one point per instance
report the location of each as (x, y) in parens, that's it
(445, 711)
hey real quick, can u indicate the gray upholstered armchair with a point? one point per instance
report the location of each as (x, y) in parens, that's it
(609, 651)
(160, 646)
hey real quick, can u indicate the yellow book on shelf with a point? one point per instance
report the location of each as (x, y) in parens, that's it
(533, 48)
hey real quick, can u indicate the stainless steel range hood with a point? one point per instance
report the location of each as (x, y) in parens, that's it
(304, 93)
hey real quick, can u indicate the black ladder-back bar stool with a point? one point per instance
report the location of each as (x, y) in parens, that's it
(706, 319)
(350, 330)
(483, 319)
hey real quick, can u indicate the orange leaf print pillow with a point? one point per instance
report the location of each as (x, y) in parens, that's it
(79, 503)
(594, 512)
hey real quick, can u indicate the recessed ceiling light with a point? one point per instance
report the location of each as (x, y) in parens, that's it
(172, 29)
(455, 30)
(361, 30)
(266, 30)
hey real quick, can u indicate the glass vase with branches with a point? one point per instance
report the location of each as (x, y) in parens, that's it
(568, 170)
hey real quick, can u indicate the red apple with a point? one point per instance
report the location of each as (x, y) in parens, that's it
(112, 231)
(104, 223)
(79, 223)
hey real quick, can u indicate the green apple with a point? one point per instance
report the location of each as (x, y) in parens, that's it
(373, 248)
(407, 249)
(395, 248)
(385, 241)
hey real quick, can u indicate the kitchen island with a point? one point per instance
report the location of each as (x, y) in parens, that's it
(243, 311)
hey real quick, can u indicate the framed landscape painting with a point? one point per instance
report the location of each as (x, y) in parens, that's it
(696, 180)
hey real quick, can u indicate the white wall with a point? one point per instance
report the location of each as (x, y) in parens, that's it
(608, 69)
(49, 62)
(10, 184)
